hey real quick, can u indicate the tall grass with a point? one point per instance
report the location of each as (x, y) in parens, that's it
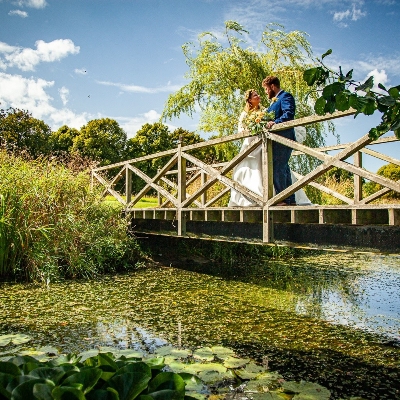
(53, 226)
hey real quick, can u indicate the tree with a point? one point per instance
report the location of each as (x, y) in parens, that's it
(338, 91)
(219, 76)
(101, 139)
(19, 130)
(63, 139)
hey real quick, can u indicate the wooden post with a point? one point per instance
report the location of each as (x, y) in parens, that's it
(357, 178)
(128, 186)
(204, 195)
(181, 190)
(159, 199)
(268, 189)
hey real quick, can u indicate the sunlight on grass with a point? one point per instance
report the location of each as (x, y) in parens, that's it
(145, 202)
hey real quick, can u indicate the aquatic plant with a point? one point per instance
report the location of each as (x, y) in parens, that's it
(52, 225)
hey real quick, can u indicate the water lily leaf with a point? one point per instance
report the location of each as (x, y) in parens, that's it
(197, 368)
(9, 368)
(88, 354)
(233, 362)
(270, 380)
(139, 368)
(14, 339)
(222, 352)
(250, 371)
(312, 390)
(129, 353)
(173, 352)
(177, 366)
(24, 390)
(52, 374)
(59, 392)
(42, 391)
(166, 394)
(204, 353)
(192, 382)
(155, 363)
(266, 396)
(106, 359)
(129, 385)
(86, 377)
(5, 379)
(167, 380)
(69, 359)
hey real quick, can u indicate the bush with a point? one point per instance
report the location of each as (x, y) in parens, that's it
(390, 171)
(52, 225)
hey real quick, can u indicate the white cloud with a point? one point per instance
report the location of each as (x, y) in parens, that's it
(132, 125)
(30, 94)
(379, 77)
(31, 3)
(80, 71)
(141, 89)
(18, 13)
(354, 14)
(64, 93)
(26, 59)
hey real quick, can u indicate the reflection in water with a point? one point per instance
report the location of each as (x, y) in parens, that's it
(301, 314)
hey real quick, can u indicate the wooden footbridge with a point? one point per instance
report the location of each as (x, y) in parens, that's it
(191, 195)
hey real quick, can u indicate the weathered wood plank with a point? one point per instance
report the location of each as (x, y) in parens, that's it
(381, 156)
(108, 189)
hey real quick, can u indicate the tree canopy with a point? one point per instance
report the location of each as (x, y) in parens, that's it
(219, 75)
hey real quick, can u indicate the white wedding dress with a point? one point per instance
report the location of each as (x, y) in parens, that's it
(249, 172)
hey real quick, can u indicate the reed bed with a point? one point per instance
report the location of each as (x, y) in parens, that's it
(53, 226)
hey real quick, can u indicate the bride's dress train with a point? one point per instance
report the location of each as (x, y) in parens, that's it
(249, 174)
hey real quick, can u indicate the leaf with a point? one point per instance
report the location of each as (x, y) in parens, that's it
(14, 339)
(396, 125)
(387, 101)
(330, 106)
(129, 385)
(349, 76)
(232, 362)
(222, 352)
(327, 53)
(342, 101)
(59, 392)
(311, 75)
(192, 382)
(332, 89)
(9, 368)
(204, 353)
(394, 92)
(24, 390)
(167, 380)
(268, 380)
(267, 396)
(380, 86)
(155, 363)
(312, 390)
(5, 380)
(42, 391)
(367, 85)
(167, 394)
(319, 106)
(250, 371)
(86, 377)
(171, 351)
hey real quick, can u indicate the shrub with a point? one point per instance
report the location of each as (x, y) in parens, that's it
(52, 225)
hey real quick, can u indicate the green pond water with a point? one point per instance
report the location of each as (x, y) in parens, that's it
(328, 318)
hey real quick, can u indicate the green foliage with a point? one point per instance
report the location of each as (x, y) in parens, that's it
(52, 225)
(219, 76)
(63, 139)
(19, 130)
(335, 94)
(98, 377)
(101, 139)
(390, 171)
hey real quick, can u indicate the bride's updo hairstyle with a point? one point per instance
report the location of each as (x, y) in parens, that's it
(247, 96)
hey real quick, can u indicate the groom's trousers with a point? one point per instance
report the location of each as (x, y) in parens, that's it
(280, 156)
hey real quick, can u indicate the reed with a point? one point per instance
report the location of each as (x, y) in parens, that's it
(52, 226)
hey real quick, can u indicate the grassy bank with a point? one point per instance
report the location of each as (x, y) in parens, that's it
(52, 226)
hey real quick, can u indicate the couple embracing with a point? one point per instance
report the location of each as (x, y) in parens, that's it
(249, 171)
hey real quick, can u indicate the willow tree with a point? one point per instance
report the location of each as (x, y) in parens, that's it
(220, 73)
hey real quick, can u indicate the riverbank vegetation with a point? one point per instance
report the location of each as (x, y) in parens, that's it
(53, 226)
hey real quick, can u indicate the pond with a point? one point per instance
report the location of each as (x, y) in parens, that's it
(330, 318)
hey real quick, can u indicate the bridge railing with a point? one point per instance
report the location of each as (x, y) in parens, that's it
(173, 182)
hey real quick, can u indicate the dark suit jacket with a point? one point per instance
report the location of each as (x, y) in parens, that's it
(284, 108)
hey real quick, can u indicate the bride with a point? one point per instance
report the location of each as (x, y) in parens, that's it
(249, 171)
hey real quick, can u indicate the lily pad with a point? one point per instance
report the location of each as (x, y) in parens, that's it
(269, 380)
(233, 362)
(306, 390)
(204, 353)
(197, 368)
(251, 371)
(222, 352)
(14, 339)
(173, 352)
(267, 396)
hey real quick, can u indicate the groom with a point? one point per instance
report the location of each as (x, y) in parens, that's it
(283, 104)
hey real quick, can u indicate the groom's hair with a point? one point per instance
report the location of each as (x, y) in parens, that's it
(271, 80)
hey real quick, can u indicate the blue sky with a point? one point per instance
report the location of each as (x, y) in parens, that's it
(70, 61)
